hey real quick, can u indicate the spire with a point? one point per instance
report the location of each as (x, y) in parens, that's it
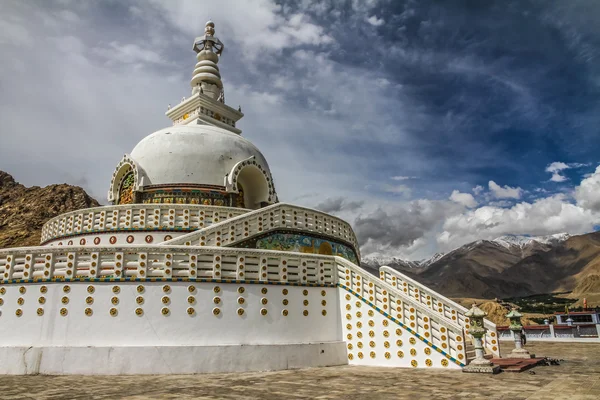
(206, 105)
(206, 78)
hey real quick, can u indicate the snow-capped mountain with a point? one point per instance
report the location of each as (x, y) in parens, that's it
(523, 241)
(510, 265)
(509, 242)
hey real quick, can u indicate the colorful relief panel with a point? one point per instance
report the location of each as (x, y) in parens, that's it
(188, 197)
(301, 243)
(126, 189)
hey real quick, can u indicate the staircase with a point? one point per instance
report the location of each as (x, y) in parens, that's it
(444, 307)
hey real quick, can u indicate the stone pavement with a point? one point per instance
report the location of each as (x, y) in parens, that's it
(577, 378)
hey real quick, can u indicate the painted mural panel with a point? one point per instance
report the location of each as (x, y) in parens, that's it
(305, 244)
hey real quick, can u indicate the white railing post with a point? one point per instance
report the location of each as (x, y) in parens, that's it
(168, 271)
(71, 265)
(217, 261)
(119, 270)
(94, 265)
(142, 265)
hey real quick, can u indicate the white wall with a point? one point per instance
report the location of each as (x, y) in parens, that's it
(202, 328)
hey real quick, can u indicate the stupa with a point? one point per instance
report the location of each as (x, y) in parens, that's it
(197, 267)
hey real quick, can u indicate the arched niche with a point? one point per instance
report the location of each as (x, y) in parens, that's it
(252, 182)
(254, 187)
(126, 177)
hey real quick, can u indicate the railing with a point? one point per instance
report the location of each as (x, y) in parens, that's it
(444, 307)
(588, 332)
(276, 216)
(73, 262)
(187, 217)
(442, 332)
(223, 263)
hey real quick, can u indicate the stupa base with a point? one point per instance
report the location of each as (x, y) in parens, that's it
(168, 359)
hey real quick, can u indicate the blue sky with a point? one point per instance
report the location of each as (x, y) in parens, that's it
(426, 124)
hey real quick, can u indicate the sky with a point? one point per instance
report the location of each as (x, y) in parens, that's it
(425, 124)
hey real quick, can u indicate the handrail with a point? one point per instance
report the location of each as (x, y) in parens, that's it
(136, 217)
(447, 308)
(155, 261)
(276, 216)
(444, 333)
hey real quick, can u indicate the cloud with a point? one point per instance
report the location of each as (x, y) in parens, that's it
(466, 199)
(556, 167)
(373, 20)
(542, 217)
(129, 53)
(505, 192)
(556, 177)
(402, 178)
(478, 189)
(396, 189)
(336, 204)
(396, 228)
(587, 193)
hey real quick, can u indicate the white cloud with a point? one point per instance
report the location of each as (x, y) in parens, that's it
(542, 217)
(373, 20)
(402, 178)
(259, 25)
(466, 199)
(478, 189)
(556, 177)
(587, 193)
(556, 167)
(129, 53)
(504, 192)
(396, 189)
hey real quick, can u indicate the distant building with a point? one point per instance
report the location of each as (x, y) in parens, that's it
(578, 317)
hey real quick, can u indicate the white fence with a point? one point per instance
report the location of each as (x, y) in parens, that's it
(276, 216)
(442, 306)
(130, 217)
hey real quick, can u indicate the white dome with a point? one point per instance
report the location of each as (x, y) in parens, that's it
(192, 154)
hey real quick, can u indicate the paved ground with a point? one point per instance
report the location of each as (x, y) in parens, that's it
(577, 378)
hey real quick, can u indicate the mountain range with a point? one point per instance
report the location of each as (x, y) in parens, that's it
(510, 266)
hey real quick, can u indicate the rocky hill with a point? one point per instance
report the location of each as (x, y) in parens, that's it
(24, 210)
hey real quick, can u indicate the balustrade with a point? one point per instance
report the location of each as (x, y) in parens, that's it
(444, 307)
(443, 333)
(186, 217)
(148, 262)
(277, 216)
